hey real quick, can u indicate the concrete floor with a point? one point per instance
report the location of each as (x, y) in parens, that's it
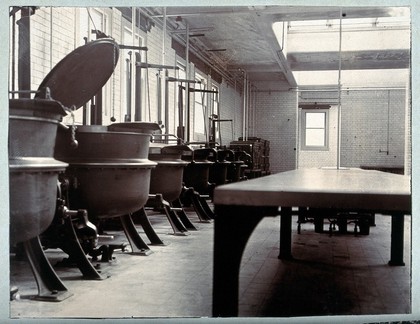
(330, 275)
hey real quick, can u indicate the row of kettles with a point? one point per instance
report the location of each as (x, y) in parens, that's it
(65, 181)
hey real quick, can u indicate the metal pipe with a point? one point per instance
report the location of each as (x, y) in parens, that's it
(244, 108)
(166, 122)
(342, 89)
(159, 97)
(171, 79)
(133, 47)
(163, 83)
(187, 72)
(156, 66)
(24, 52)
(13, 67)
(128, 82)
(137, 92)
(132, 64)
(339, 93)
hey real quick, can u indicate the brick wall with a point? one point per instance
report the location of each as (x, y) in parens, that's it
(372, 129)
(275, 121)
(373, 126)
(231, 107)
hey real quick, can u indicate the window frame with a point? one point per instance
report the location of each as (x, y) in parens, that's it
(304, 128)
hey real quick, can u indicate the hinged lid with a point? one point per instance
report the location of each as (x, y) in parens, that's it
(138, 127)
(82, 73)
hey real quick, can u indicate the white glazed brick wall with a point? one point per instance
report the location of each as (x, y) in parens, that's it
(275, 121)
(369, 137)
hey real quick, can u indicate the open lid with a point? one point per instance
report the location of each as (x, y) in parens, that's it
(82, 73)
(137, 126)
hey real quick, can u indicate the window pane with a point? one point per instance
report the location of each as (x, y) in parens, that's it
(314, 137)
(315, 120)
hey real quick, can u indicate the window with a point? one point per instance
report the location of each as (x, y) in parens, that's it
(314, 129)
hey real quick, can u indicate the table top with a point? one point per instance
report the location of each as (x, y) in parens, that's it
(348, 188)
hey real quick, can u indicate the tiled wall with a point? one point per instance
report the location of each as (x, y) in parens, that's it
(276, 121)
(373, 126)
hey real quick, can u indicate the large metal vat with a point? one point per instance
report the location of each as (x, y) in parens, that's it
(109, 172)
(196, 173)
(33, 171)
(167, 177)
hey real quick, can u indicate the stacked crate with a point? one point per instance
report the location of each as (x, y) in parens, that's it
(259, 150)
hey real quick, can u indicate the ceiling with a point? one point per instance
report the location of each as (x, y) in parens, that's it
(242, 39)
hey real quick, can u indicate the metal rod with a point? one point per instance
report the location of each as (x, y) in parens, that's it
(166, 103)
(133, 47)
(128, 82)
(172, 79)
(159, 97)
(137, 92)
(339, 93)
(187, 73)
(203, 90)
(24, 52)
(156, 66)
(244, 110)
(13, 67)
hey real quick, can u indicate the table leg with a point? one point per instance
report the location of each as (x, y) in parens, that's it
(233, 226)
(286, 233)
(397, 240)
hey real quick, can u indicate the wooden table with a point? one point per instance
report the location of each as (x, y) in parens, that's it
(240, 206)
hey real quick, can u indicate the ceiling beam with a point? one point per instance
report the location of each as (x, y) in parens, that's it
(351, 60)
(264, 24)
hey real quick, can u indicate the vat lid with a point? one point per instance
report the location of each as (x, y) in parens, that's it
(82, 73)
(138, 126)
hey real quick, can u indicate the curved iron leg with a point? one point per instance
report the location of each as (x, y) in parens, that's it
(206, 208)
(76, 253)
(182, 215)
(177, 226)
(147, 226)
(198, 207)
(138, 246)
(50, 287)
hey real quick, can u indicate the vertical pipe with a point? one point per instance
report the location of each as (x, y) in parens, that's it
(234, 113)
(388, 121)
(13, 63)
(128, 82)
(247, 109)
(24, 52)
(137, 93)
(181, 132)
(159, 96)
(166, 122)
(244, 110)
(298, 131)
(51, 38)
(187, 85)
(132, 62)
(163, 82)
(163, 36)
(339, 94)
